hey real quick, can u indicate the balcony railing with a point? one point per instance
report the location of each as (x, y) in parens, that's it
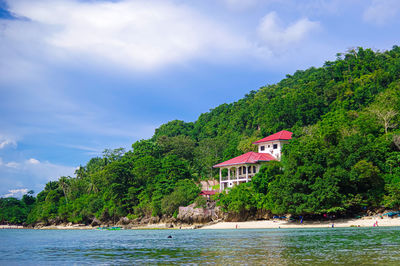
(241, 178)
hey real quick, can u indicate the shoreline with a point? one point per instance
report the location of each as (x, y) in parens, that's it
(368, 221)
(282, 224)
(159, 226)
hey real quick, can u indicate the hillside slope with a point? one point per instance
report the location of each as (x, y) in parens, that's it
(344, 157)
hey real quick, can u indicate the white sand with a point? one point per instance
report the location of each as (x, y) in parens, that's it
(364, 222)
(11, 227)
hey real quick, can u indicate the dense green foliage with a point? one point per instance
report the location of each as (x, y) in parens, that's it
(346, 148)
(141, 182)
(344, 156)
(16, 211)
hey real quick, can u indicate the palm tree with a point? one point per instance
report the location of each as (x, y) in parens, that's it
(64, 185)
(92, 186)
(80, 172)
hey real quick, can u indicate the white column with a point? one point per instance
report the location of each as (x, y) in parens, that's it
(229, 173)
(247, 174)
(237, 175)
(220, 179)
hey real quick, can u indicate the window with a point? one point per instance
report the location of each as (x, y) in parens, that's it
(240, 170)
(269, 146)
(244, 169)
(275, 146)
(262, 148)
(254, 169)
(249, 169)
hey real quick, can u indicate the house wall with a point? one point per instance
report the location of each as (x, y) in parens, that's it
(277, 153)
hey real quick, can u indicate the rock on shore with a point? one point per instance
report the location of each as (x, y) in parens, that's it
(194, 215)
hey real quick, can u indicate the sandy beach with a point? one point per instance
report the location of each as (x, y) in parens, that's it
(368, 221)
(11, 226)
(363, 222)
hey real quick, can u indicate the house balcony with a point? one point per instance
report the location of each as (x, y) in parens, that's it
(234, 178)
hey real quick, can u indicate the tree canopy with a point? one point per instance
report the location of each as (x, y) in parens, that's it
(344, 156)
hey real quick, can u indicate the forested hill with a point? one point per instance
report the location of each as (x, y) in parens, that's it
(344, 156)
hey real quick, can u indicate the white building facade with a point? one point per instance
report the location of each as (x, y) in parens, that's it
(242, 168)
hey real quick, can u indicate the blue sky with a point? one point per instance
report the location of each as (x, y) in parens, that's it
(77, 77)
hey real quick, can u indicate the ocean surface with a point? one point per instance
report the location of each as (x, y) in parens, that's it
(341, 246)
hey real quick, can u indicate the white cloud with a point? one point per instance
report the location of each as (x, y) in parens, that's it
(9, 164)
(33, 161)
(381, 11)
(45, 170)
(278, 38)
(31, 173)
(12, 164)
(16, 193)
(4, 141)
(140, 35)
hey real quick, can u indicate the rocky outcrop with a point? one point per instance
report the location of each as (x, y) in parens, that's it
(154, 220)
(54, 221)
(39, 225)
(263, 215)
(95, 222)
(191, 214)
(123, 221)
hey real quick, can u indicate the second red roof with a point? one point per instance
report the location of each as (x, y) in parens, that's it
(281, 135)
(250, 157)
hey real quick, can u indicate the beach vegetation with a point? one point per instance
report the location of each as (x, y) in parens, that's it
(344, 157)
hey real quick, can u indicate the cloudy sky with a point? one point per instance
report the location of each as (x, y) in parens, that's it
(77, 77)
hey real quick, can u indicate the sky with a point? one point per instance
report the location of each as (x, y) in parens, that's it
(77, 77)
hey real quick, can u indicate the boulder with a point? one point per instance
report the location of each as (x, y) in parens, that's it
(54, 221)
(144, 220)
(39, 225)
(123, 221)
(154, 220)
(95, 222)
(191, 214)
(263, 215)
(78, 225)
(136, 221)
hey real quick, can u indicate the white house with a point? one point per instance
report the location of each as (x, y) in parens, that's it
(242, 168)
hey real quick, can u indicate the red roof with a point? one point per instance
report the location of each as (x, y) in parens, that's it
(208, 192)
(250, 157)
(281, 135)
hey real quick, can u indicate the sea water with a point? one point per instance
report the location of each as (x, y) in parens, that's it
(342, 246)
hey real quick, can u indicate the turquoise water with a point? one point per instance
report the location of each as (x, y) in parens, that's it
(326, 246)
